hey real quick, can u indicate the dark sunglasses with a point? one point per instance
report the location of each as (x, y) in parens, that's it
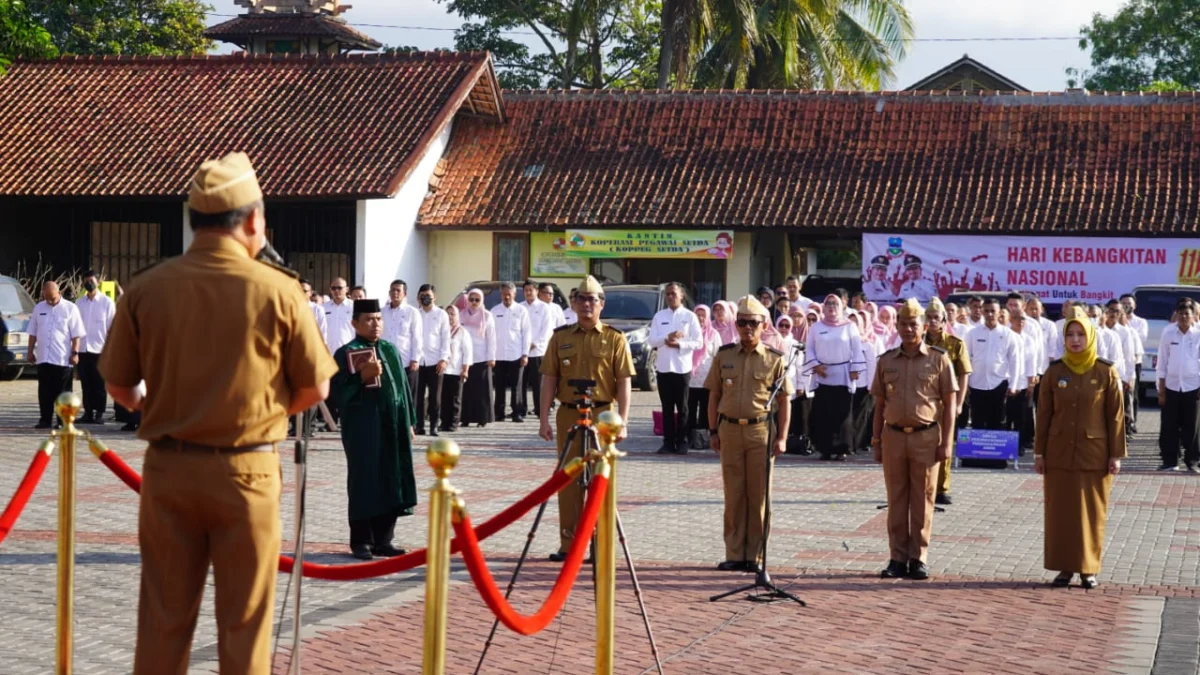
(748, 323)
(473, 301)
(336, 288)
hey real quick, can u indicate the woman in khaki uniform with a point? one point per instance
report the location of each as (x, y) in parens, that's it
(1078, 446)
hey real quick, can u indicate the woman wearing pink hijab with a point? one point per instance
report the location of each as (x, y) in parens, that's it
(864, 403)
(834, 355)
(724, 316)
(887, 319)
(710, 342)
(477, 391)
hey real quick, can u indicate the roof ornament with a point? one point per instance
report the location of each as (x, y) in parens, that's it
(329, 7)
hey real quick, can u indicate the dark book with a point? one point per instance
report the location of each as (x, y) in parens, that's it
(356, 359)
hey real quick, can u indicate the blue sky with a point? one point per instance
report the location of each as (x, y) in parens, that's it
(1036, 65)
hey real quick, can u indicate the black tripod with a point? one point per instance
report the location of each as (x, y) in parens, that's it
(762, 579)
(589, 444)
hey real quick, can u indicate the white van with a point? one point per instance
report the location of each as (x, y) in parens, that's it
(1155, 304)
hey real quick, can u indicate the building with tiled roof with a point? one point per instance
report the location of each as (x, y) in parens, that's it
(301, 27)
(98, 153)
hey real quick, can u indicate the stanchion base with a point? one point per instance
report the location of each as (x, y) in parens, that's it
(762, 581)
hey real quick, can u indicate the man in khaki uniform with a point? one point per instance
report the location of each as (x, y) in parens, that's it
(586, 350)
(739, 384)
(213, 418)
(915, 397)
(937, 334)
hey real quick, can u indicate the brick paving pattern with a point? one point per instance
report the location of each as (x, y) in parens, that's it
(987, 609)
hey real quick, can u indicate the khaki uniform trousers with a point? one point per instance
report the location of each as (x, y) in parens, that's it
(198, 507)
(743, 474)
(943, 479)
(570, 498)
(910, 474)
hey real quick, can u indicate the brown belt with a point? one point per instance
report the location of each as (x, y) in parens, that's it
(745, 422)
(911, 430)
(183, 446)
(595, 404)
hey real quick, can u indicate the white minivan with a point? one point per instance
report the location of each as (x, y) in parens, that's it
(1156, 304)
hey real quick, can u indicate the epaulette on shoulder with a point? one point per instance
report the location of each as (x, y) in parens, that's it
(615, 330)
(774, 351)
(563, 327)
(281, 269)
(938, 349)
(893, 350)
(149, 267)
(1056, 361)
(1104, 361)
(731, 345)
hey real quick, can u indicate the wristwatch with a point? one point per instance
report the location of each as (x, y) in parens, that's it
(876, 441)
(712, 431)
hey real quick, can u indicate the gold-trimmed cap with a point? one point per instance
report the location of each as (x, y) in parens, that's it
(590, 285)
(748, 304)
(224, 184)
(910, 308)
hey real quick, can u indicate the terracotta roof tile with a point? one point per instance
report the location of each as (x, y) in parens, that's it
(289, 25)
(315, 127)
(1012, 162)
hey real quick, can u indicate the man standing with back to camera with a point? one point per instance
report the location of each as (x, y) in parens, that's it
(213, 418)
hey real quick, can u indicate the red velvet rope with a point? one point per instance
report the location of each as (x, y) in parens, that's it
(33, 475)
(495, 600)
(383, 566)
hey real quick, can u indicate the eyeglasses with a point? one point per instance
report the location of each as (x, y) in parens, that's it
(336, 288)
(473, 301)
(748, 323)
(587, 299)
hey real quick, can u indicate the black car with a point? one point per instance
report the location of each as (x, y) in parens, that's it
(629, 308)
(491, 294)
(817, 287)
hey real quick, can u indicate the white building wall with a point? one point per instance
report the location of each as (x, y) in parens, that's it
(387, 243)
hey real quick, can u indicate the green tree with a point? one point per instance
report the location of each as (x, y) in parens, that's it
(848, 44)
(1143, 43)
(130, 27)
(686, 27)
(583, 43)
(21, 36)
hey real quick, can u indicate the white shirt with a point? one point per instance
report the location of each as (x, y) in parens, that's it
(675, 359)
(1129, 349)
(559, 317)
(318, 312)
(338, 329)
(541, 326)
(55, 326)
(995, 358)
(870, 354)
(1029, 356)
(1108, 347)
(513, 332)
(483, 347)
(402, 327)
(435, 335)
(1051, 342)
(700, 372)
(460, 351)
(1140, 326)
(839, 349)
(97, 315)
(1179, 358)
(921, 289)
(569, 316)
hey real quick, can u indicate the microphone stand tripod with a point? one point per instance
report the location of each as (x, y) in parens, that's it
(762, 579)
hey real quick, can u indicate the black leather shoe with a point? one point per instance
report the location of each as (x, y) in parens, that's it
(42, 425)
(917, 570)
(1169, 467)
(1088, 581)
(87, 419)
(1062, 580)
(518, 418)
(433, 431)
(129, 427)
(361, 552)
(894, 570)
(387, 551)
(420, 431)
(681, 448)
(733, 566)
(943, 498)
(557, 557)
(666, 449)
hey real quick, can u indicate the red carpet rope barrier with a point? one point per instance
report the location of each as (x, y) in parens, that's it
(495, 600)
(383, 566)
(33, 476)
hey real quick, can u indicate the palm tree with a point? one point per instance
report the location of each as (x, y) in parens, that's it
(810, 44)
(686, 27)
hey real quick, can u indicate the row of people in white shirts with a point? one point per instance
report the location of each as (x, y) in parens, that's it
(423, 336)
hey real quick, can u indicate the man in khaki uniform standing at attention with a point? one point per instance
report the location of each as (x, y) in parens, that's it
(586, 350)
(937, 334)
(915, 396)
(739, 384)
(212, 418)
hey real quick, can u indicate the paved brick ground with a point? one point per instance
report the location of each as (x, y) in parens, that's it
(987, 610)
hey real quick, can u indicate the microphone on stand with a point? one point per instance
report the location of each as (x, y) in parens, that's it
(269, 254)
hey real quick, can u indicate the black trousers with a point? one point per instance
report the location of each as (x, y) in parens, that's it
(673, 394)
(531, 378)
(987, 407)
(1019, 418)
(451, 401)
(1131, 412)
(412, 382)
(1179, 427)
(830, 420)
(801, 411)
(95, 399)
(864, 419)
(375, 531)
(429, 385)
(52, 381)
(698, 409)
(1131, 397)
(506, 378)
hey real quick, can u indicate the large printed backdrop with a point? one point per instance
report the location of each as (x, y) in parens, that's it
(1055, 268)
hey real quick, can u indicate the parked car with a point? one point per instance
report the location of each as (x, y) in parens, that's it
(16, 308)
(816, 287)
(629, 308)
(491, 294)
(1156, 304)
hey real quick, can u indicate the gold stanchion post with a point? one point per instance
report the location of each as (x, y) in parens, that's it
(608, 425)
(67, 406)
(442, 456)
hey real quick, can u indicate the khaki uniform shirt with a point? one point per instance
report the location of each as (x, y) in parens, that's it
(956, 350)
(600, 353)
(1080, 418)
(911, 387)
(221, 341)
(744, 378)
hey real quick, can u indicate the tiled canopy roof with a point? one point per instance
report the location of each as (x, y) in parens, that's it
(250, 26)
(344, 127)
(995, 162)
